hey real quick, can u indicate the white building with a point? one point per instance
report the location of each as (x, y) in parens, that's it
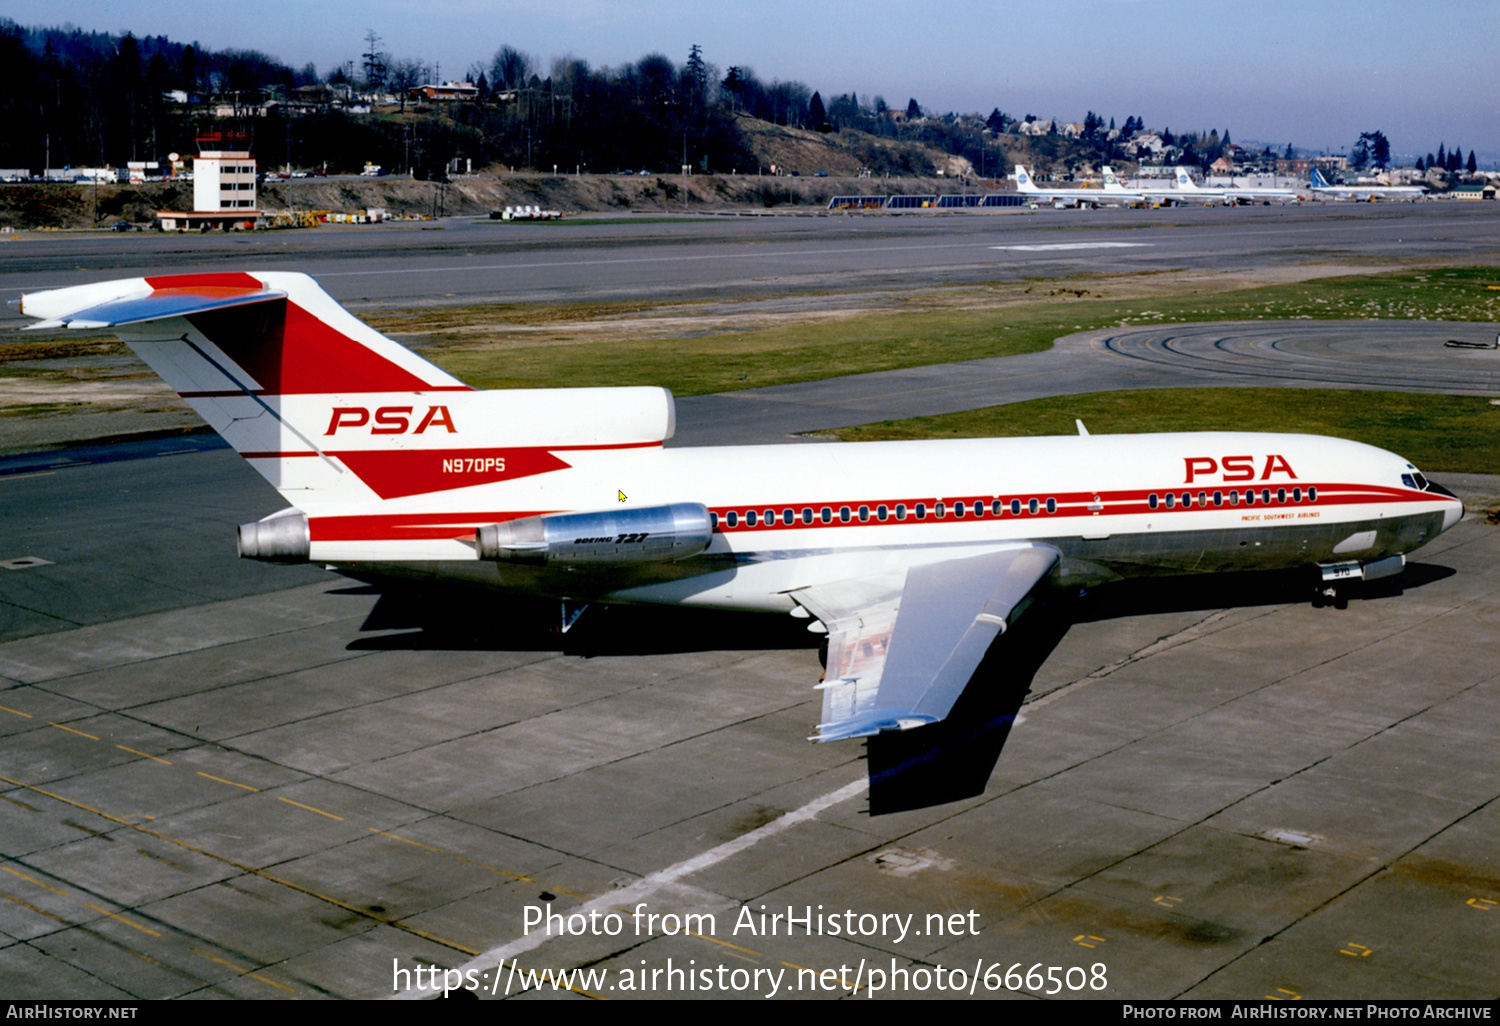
(223, 186)
(223, 180)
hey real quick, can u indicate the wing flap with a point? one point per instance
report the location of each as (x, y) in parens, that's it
(897, 661)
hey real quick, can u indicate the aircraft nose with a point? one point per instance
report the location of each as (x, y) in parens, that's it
(1453, 509)
(1452, 513)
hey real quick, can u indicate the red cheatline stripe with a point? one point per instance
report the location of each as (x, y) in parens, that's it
(410, 526)
(1069, 504)
(230, 279)
(445, 452)
(413, 526)
(231, 393)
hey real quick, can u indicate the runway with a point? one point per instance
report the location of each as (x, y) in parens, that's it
(223, 778)
(461, 260)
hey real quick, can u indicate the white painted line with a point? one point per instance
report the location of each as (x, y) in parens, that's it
(1048, 247)
(24, 562)
(648, 885)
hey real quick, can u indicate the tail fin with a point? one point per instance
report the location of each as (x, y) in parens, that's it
(1023, 180)
(1111, 183)
(1185, 181)
(1318, 181)
(332, 413)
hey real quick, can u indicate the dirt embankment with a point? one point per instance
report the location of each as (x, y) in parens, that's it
(35, 205)
(853, 163)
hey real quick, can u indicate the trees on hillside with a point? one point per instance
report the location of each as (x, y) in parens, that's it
(1371, 149)
(817, 117)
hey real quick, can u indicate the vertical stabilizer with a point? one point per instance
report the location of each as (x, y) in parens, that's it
(329, 410)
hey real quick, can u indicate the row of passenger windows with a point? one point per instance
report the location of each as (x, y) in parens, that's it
(883, 512)
(1249, 497)
(996, 507)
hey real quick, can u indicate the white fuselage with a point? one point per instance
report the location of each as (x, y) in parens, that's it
(794, 516)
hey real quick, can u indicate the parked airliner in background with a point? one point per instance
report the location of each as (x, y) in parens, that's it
(911, 556)
(1161, 195)
(1322, 190)
(1074, 197)
(1231, 195)
(1188, 191)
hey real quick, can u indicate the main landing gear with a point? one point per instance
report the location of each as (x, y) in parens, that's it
(1327, 594)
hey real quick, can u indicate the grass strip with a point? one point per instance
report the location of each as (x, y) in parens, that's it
(887, 341)
(1454, 433)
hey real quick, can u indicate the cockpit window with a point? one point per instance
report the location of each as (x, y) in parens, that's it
(1415, 480)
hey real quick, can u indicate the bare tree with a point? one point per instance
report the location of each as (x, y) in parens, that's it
(511, 69)
(374, 61)
(403, 76)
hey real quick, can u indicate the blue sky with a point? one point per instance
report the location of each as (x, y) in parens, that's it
(1312, 73)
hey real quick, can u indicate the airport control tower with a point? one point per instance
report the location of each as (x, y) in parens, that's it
(223, 186)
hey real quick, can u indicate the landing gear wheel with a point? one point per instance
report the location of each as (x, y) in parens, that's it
(1329, 595)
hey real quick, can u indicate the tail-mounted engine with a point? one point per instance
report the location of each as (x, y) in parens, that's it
(647, 535)
(282, 538)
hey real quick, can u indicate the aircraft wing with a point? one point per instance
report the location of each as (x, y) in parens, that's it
(903, 645)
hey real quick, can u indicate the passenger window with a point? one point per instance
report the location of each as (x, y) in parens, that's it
(807, 514)
(843, 514)
(1281, 495)
(1312, 495)
(921, 511)
(978, 508)
(1296, 494)
(770, 518)
(880, 512)
(731, 518)
(1249, 497)
(938, 510)
(1031, 506)
(864, 513)
(787, 516)
(826, 515)
(1265, 496)
(1202, 498)
(1171, 500)
(1015, 507)
(713, 521)
(958, 509)
(997, 507)
(1151, 500)
(750, 518)
(1218, 498)
(1051, 505)
(1234, 498)
(900, 511)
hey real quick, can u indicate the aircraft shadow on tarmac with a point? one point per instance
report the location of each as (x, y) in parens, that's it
(934, 765)
(953, 760)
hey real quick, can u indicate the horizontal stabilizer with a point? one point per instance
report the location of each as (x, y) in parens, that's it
(159, 305)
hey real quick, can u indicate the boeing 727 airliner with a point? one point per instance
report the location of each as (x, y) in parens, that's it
(912, 556)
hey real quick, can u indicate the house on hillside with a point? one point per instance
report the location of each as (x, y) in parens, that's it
(446, 91)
